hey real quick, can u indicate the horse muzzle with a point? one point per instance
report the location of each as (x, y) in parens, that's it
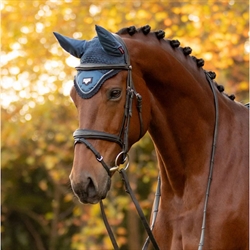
(89, 191)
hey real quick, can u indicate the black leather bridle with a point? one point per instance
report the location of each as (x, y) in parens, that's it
(82, 135)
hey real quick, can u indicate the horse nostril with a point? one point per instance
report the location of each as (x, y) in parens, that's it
(78, 190)
(85, 190)
(91, 189)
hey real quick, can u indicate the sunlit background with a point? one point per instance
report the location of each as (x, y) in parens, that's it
(38, 118)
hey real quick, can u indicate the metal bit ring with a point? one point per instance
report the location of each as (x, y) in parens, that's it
(126, 160)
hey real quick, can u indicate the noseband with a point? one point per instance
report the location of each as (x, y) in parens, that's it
(82, 135)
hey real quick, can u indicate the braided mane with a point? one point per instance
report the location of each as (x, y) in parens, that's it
(160, 34)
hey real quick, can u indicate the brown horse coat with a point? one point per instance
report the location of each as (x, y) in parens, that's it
(178, 110)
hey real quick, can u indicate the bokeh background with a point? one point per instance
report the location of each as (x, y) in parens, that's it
(38, 117)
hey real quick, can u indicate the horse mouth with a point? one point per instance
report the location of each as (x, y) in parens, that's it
(90, 193)
(85, 198)
(90, 200)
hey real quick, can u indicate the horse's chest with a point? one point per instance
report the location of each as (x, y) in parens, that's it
(175, 232)
(182, 232)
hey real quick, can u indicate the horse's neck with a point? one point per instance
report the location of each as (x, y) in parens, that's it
(181, 127)
(182, 110)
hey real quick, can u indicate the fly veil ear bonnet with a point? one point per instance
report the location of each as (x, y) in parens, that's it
(103, 49)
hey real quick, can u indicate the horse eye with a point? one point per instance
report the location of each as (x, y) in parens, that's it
(115, 94)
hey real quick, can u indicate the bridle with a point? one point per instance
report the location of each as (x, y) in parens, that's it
(82, 136)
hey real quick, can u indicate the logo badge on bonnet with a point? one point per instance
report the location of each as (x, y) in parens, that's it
(87, 80)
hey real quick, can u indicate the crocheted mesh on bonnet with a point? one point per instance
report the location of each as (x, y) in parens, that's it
(96, 59)
(94, 53)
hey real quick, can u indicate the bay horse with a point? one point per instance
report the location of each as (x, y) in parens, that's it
(200, 134)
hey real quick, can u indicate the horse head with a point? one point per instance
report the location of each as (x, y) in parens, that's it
(105, 96)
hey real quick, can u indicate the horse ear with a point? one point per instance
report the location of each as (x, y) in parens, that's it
(109, 43)
(72, 46)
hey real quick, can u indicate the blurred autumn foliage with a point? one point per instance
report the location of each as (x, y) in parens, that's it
(38, 118)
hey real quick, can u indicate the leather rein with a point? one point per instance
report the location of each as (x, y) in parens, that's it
(82, 136)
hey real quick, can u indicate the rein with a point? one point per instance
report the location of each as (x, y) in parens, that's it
(148, 229)
(210, 176)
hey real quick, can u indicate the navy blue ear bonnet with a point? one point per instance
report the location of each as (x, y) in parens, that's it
(104, 49)
(87, 83)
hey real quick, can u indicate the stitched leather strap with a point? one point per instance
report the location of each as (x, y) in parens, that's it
(93, 134)
(94, 66)
(106, 223)
(95, 152)
(210, 176)
(155, 210)
(138, 208)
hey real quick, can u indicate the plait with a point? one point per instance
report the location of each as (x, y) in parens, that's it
(232, 97)
(145, 29)
(174, 43)
(187, 51)
(212, 74)
(160, 34)
(200, 62)
(131, 30)
(220, 88)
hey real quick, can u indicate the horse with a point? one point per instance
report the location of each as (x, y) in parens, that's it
(200, 134)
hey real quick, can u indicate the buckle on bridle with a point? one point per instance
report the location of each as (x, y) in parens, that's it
(99, 158)
(124, 165)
